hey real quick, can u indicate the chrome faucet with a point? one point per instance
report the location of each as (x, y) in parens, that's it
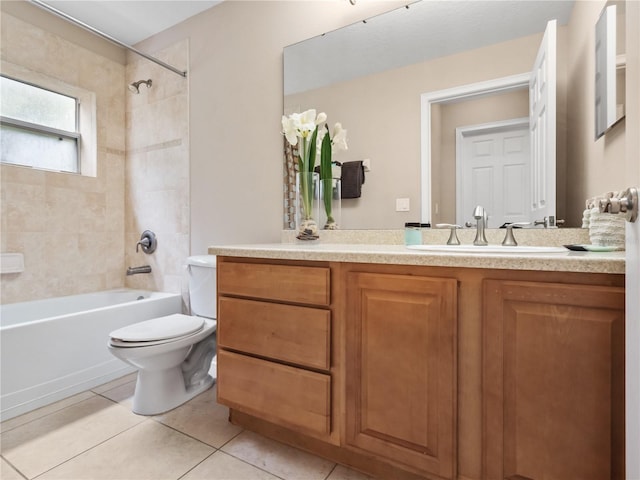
(480, 214)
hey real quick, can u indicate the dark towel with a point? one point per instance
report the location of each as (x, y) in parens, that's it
(352, 179)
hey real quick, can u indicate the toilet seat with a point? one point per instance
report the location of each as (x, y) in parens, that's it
(157, 331)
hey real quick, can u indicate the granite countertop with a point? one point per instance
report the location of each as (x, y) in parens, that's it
(588, 262)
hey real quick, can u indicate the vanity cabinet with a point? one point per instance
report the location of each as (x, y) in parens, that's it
(411, 372)
(400, 369)
(553, 381)
(274, 330)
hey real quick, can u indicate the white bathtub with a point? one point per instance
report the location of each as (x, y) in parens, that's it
(51, 349)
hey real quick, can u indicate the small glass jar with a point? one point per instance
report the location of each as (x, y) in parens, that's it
(413, 232)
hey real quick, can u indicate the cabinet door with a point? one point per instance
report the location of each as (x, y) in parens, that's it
(400, 369)
(553, 381)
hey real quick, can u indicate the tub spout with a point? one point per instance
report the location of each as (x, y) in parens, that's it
(136, 270)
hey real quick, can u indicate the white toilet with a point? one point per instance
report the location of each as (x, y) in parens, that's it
(173, 354)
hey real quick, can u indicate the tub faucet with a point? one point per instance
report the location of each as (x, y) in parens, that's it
(136, 270)
(480, 214)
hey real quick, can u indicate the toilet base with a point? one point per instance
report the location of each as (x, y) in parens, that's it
(160, 391)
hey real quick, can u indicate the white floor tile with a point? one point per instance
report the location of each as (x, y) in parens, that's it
(148, 451)
(281, 460)
(37, 446)
(221, 466)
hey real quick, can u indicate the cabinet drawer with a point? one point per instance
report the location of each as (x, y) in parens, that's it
(288, 333)
(277, 393)
(288, 283)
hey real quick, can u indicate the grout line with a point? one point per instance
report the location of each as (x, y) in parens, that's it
(46, 414)
(14, 467)
(334, 467)
(88, 449)
(184, 433)
(197, 464)
(231, 439)
(252, 465)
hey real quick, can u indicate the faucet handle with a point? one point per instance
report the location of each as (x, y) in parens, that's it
(549, 222)
(453, 236)
(509, 239)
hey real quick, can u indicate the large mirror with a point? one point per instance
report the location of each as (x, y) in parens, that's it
(371, 77)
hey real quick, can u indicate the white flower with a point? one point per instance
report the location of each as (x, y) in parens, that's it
(301, 124)
(306, 122)
(289, 130)
(339, 138)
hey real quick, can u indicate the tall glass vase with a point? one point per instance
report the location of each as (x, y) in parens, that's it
(307, 205)
(331, 200)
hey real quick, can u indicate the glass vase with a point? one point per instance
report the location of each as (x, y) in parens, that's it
(307, 205)
(331, 200)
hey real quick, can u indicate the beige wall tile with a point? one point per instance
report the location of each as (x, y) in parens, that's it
(79, 220)
(157, 170)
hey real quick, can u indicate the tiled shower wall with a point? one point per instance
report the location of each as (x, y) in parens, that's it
(70, 228)
(77, 233)
(157, 169)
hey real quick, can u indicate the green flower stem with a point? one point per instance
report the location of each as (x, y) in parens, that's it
(306, 162)
(326, 174)
(327, 194)
(306, 193)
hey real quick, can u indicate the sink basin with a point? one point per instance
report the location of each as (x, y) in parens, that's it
(486, 249)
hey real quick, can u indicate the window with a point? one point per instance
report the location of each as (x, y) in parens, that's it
(39, 127)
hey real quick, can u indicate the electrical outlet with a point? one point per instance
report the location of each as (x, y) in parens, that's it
(402, 205)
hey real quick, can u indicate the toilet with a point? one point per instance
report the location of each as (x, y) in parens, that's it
(173, 354)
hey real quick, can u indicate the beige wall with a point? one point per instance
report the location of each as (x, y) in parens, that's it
(70, 228)
(593, 166)
(235, 82)
(157, 169)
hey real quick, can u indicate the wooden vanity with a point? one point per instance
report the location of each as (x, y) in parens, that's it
(422, 368)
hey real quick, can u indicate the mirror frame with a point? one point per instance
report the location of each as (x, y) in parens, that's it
(463, 92)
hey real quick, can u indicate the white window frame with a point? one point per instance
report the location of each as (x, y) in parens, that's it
(86, 115)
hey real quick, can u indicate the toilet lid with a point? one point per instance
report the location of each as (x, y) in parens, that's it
(157, 329)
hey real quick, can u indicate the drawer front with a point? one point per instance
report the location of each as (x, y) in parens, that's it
(308, 285)
(288, 333)
(277, 393)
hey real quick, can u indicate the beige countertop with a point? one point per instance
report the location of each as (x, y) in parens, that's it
(588, 262)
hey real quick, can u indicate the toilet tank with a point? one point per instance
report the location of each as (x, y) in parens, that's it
(202, 285)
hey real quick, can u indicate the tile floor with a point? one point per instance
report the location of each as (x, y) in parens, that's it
(94, 435)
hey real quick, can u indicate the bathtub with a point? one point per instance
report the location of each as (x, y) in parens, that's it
(51, 349)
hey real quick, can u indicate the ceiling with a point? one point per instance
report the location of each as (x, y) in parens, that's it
(131, 21)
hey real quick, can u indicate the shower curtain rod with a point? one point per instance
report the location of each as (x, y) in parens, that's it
(95, 31)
